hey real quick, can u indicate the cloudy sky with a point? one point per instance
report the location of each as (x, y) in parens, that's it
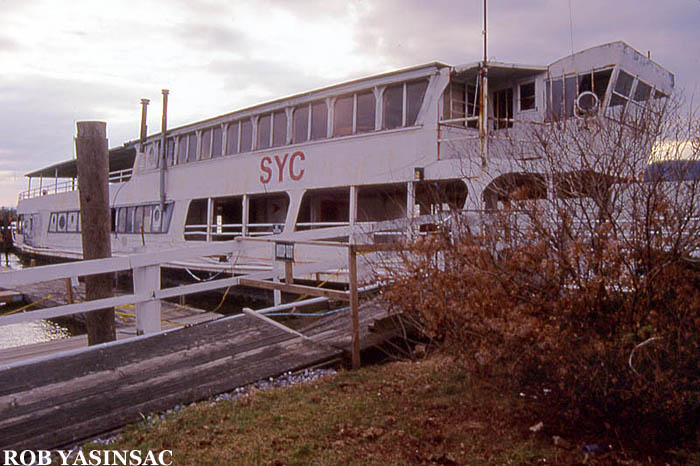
(64, 61)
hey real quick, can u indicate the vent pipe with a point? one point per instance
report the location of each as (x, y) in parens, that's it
(163, 151)
(144, 125)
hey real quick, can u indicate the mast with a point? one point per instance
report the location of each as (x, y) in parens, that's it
(483, 101)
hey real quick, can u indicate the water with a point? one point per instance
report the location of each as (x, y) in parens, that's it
(38, 331)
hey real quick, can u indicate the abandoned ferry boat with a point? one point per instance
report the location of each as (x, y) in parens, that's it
(325, 162)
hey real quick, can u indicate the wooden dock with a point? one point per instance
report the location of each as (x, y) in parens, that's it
(54, 293)
(62, 399)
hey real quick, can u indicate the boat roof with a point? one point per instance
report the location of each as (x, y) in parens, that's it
(498, 70)
(120, 158)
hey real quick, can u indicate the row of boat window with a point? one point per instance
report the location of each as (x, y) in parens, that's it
(320, 208)
(396, 105)
(561, 92)
(146, 218)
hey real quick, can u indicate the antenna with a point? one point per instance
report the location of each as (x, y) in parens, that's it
(484, 33)
(483, 101)
(571, 28)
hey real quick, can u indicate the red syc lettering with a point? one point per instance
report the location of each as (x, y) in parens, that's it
(292, 175)
(280, 165)
(264, 162)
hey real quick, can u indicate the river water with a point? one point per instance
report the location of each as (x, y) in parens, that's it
(38, 331)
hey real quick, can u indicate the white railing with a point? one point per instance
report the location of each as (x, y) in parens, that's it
(50, 186)
(120, 176)
(146, 279)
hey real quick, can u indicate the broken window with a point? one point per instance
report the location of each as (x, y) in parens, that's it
(366, 109)
(324, 208)
(301, 124)
(232, 138)
(503, 108)
(196, 221)
(319, 120)
(622, 89)
(246, 135)
(279, 131)
(393, 107)
(268, 213)
(378, 203)
(433, 197)
(228, 218)
(600, 83)
(454, 101)
(514, 187)
(264, 123)
(460, 104)
(342, 117)
(527, 96)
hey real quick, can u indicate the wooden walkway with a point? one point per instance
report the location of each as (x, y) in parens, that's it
(55, 401)
(53, 293)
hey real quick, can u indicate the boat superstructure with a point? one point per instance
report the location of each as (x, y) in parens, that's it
(331, 161)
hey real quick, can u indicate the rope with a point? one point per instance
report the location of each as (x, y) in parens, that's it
(27, 306)
(221, 303)
(302, 297)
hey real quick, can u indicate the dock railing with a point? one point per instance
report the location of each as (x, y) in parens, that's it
(148, 293)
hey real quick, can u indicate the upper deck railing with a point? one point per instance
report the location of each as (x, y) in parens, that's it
(57, 187)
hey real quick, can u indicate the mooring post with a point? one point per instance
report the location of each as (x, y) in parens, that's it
(93, 187)
(354, 306)
(146, 282)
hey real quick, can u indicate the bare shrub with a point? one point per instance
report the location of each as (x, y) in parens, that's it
(581, 276)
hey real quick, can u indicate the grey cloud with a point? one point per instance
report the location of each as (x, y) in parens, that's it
(38, 118)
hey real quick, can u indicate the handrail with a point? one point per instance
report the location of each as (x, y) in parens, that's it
(117, 176)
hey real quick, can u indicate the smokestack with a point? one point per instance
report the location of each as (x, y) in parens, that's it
(144, 125)
(163, 151)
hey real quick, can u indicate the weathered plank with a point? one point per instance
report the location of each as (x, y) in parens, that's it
(53, 402)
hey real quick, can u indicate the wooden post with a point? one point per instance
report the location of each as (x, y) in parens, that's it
(288, 273)
(354, 306)
(93, 174)
(147, 282)
(69, 291)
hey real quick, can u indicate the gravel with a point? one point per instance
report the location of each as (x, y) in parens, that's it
(285, 380)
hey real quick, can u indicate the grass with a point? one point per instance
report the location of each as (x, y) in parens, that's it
(425, 412)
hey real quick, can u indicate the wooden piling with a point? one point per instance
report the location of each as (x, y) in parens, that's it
(93, 179)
